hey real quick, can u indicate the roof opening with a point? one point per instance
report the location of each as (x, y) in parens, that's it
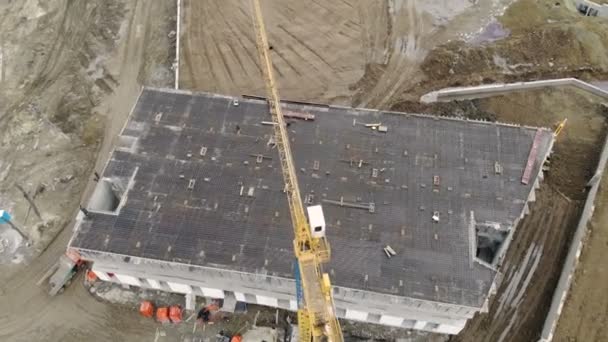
(489, 240)
(110, 194)
(106, 196)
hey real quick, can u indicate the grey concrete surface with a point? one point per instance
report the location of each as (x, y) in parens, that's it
(475, 92)
(211, 208)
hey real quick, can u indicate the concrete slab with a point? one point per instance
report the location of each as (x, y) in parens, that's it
(197, 182)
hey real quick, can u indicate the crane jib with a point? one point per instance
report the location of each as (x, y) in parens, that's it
(316, 315)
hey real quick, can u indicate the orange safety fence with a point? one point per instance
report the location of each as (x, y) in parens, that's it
(162, 315)
(175, 314)
(146, 308)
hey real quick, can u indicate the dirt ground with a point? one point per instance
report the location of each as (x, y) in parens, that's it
(71, 71)
(543, 39)
(340, 52)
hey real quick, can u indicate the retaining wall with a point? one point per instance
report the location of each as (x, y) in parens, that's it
(177, 42)
(565, 279)
(469, 93)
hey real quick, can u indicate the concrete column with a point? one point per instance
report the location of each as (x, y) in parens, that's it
(229, 302)
(240, 297)
(180, 288)
(155, 284)
(268, 301)
(213, 293)
(419, 325)
(356, 315)
(449, 329)
(190, 301)
(102, 275)
(127, 279)
(391, 320)
(293, 305)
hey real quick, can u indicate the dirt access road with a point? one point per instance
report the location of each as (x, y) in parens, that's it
(73, 66)
(340, 52)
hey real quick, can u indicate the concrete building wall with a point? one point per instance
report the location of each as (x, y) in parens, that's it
(278, 292)
(591, 8)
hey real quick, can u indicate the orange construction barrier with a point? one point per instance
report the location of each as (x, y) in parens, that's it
(175, 313)
(236, 338)
(146, 309)
(162, 315)
(91, 276)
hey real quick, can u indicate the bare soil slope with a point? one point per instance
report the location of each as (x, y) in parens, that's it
(71, 72)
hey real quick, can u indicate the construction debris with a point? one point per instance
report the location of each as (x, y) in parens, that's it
(389, 251)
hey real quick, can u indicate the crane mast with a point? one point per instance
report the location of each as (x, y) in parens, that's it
(316, 318)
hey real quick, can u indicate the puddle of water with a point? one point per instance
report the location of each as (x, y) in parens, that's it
(492, 32)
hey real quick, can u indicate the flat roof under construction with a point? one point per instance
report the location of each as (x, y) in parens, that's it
(197, 181)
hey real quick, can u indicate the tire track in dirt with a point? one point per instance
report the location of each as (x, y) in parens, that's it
(237, 51)
(313, 44)
(301, 42)
(286, 61)
(186, 53)
(217, 46)
(218, 73)
(405, 54)
(249, 49)
(64, 40)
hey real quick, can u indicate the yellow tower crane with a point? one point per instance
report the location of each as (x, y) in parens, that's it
(316, 318)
